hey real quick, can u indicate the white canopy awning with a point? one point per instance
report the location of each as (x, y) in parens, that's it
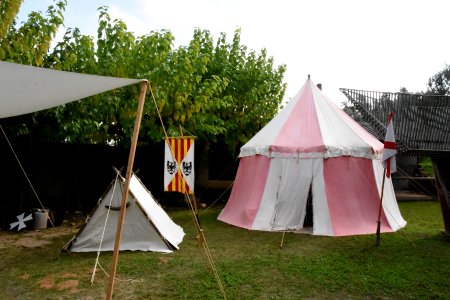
(26, 89)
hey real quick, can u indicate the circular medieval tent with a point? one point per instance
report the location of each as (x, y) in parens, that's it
(312, 166)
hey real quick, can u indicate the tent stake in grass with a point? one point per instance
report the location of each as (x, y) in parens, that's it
(282, 239)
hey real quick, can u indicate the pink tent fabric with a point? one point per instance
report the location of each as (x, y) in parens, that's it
(311, 125)
(313, 148)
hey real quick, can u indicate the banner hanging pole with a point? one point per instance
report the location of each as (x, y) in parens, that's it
(134, 141)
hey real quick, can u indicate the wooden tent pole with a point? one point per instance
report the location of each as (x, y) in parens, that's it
(123, 205)
(377, 242)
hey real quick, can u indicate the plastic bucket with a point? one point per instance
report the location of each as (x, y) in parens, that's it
(40, 219)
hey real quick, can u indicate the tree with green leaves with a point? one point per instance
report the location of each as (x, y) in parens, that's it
(219, 92)
(8, 12)
(109, 117)
(255, 90)
(216, 91)
(439, 84)
(30, 42)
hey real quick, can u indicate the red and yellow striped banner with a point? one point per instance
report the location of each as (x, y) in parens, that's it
(179, 165)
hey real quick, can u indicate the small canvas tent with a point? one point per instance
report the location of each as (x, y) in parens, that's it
(147, 227)
(312, 166)
(27, 89)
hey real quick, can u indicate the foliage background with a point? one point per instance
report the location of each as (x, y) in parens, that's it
(215, 90)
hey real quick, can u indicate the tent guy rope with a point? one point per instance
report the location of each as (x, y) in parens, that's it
(103, 231)
(212, 204)
(201, 235)
(26, 175)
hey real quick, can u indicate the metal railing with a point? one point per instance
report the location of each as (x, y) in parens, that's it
(421, 122)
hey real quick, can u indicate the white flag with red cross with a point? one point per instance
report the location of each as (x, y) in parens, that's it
(390, 148)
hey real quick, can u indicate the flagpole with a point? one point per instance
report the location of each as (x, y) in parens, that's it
(123, 205)
(377, 243)
(389, 152)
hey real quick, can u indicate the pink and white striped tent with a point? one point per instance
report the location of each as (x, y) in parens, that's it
(312, 148)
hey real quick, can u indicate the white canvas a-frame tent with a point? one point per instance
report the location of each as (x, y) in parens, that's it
(146, 227)
(27, 89)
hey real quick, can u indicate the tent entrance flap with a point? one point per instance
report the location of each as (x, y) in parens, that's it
(308, 222)
(114, 197)
(295, 181)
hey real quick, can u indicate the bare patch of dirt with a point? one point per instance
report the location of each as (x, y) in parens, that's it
(50, 282)
(50, 233)
(71, 284)
(47, 282)
(164, 259)
(29, 242)
(39, 238)
(70, 275)
(6, 240)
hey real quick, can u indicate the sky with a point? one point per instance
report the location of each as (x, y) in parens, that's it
(381, 45)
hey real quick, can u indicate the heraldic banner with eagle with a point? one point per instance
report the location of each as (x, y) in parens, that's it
(179, 165)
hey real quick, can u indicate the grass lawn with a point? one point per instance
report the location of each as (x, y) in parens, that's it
(413, 263)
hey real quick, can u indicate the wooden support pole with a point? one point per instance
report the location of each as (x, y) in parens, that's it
(123, 205)
(439, 165)
(377, 242)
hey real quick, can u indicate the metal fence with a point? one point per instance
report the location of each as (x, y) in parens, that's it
(421, 122)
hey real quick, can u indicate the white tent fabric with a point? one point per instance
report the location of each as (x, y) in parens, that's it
(147, 227)
(312, 126)
(27, 89)
(312, 152)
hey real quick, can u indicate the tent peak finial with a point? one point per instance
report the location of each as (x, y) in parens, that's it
(309, 76)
